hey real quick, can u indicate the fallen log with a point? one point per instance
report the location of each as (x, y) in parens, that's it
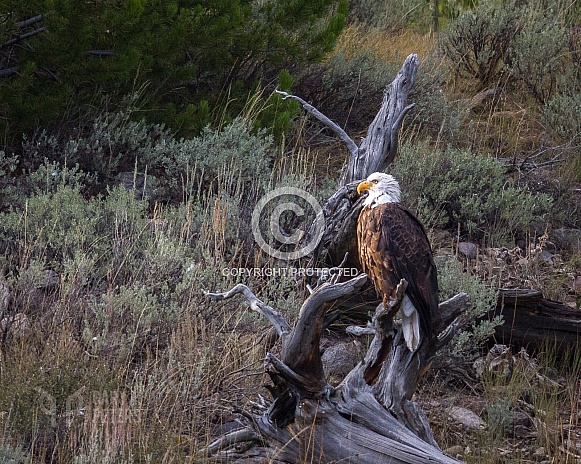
(534, 322)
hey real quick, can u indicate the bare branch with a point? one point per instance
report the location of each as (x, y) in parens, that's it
(233, 438)
(351, 145)
(29, 21)
(275, 318)
(21, 37)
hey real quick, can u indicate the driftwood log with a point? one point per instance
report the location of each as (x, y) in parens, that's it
(534, 322)
(369, 417)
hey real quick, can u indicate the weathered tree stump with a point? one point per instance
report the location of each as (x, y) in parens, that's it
(370, 416)
(375, 152)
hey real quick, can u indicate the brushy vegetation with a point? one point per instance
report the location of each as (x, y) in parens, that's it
(111, 225)
(457, 187)
(128, 309)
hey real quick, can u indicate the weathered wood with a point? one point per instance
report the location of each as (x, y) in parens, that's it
(275, 318)
(301, 351)
(532, 321)
(369, 417)
(378, 149)
(375, 152)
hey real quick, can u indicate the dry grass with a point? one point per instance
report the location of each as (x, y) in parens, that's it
(386, 45)
(158, 391)
(530, 406)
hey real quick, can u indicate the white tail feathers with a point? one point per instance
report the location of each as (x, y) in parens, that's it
(410, 324)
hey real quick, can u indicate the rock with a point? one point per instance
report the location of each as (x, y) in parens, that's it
(17, 324)
(467, 418)
(575, 285)
(456, 451)
(546, 256)
(339, 359)
(567, 239)
(468, 249)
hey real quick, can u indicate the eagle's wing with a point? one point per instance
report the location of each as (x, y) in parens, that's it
(392, 246)
(406, 241)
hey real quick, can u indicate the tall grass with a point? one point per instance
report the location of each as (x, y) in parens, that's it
(122, 359)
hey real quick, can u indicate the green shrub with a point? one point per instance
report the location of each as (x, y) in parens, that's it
(126, 322)
(562, 116)
(8, 191)
(113, 143)
(50, 175)
(450, 187)
(213, 156)
(467, 345)
(537, 54)
(181, 56)
(52, 225)
(347, 88)
(172, 169)
(12, 455)
(435, 114)
(477, 42)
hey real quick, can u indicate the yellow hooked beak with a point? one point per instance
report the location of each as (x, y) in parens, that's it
(365, 185)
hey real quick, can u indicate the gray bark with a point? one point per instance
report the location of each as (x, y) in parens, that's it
(369, 417)
(375, 152)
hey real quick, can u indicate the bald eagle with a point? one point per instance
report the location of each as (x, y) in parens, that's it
(392, 246)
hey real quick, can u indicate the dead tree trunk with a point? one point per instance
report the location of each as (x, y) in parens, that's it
(375, 152)
(378, 149)
(370, 417)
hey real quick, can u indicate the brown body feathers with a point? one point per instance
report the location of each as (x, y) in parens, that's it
(392, 246)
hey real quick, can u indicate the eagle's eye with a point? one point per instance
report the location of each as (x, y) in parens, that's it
(375, 181)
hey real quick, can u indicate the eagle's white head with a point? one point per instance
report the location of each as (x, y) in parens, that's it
(382, 188)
